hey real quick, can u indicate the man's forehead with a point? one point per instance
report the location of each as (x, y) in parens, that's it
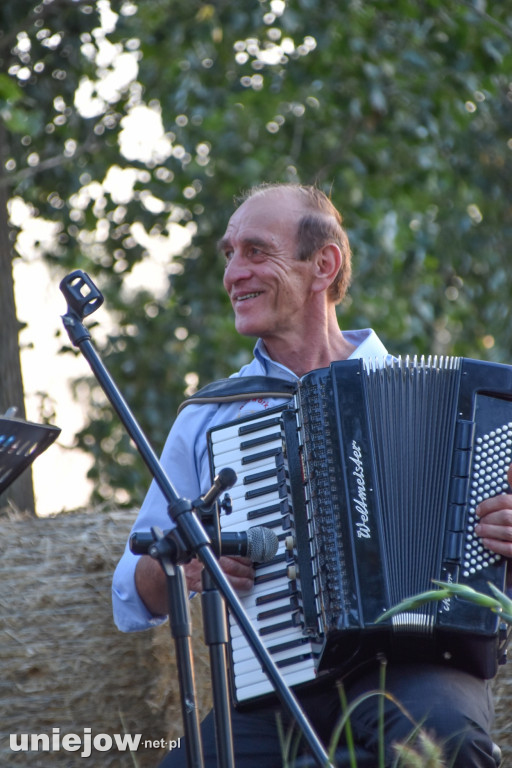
(280, 198)
(272, 210)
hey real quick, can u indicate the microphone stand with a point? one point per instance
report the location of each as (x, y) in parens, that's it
(168, 551)
(216, 638)
(216, 634)
(83, 298)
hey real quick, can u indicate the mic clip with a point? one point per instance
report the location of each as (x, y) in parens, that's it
(226, 504)
(168, 548)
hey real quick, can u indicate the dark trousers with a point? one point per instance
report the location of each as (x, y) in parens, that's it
(452, 706)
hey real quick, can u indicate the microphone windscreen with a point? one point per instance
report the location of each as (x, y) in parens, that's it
(262, 544)
(227, 478)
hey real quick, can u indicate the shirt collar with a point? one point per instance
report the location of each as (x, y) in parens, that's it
(367, 344)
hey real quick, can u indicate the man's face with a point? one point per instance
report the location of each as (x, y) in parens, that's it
(268, 287)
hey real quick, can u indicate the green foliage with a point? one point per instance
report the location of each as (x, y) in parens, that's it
(500, 603)
(400, 109)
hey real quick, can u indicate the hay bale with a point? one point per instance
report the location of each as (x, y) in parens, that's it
(64, 665)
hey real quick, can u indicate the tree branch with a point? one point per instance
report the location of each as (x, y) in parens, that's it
(50, 162)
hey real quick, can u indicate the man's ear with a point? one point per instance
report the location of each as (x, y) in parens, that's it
(328, 262)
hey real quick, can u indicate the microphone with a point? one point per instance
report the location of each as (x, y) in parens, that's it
(259, 544)
(221, 482)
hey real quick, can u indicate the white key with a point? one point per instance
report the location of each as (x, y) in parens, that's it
(300, 673)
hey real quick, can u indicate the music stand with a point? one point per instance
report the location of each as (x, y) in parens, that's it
(20, 443)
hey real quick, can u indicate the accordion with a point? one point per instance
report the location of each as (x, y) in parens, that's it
(370, 476)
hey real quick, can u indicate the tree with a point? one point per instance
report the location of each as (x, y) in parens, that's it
(400, 109)
(11, 393)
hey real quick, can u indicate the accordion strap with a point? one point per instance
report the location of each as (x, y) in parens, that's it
(241, 388)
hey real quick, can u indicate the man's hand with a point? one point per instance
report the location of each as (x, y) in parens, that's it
(495, 524)
(152, 586)
(239, 571)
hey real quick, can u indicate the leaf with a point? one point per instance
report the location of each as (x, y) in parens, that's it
(414, 602)
(9, 89)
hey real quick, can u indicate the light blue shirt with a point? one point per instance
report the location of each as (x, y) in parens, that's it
(186, 462)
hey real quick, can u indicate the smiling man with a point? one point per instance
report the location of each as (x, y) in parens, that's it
(287, 266)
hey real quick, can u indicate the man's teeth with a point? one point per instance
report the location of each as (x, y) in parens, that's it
(248, 296)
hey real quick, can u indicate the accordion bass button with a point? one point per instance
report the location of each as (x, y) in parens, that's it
(292, 572)
(289, 543)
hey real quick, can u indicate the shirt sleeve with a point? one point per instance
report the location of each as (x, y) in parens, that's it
(181, 459)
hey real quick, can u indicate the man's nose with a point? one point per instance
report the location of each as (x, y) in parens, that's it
(237, 268)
